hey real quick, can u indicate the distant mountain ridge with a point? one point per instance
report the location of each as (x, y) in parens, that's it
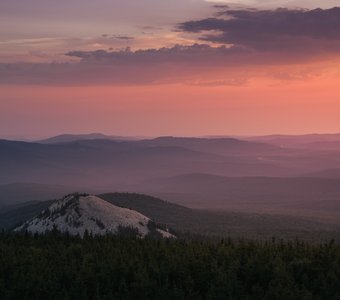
(115, 163)
(260, 171)
(67, 138)
(303, 140)
(199, 190)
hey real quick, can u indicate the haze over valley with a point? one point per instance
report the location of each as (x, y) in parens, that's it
(279, 176)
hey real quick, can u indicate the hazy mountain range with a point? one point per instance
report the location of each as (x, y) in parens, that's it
(106, 162)
(282, 175)
(67, 138)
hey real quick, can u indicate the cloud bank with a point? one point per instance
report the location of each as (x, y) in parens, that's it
(246, 41)
(272, 30)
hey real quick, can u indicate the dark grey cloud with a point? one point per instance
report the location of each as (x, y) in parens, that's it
(272, 30)
(186, 55)
(118, 37)
(123, 37)
(164, 65)
(221, 6)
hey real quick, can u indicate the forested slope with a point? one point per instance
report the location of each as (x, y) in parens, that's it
(64, 267)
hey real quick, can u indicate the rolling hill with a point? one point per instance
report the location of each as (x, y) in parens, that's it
(251, 194)
(78, 213)
(190, 222)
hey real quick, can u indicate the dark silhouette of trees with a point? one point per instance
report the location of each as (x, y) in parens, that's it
(61, 266)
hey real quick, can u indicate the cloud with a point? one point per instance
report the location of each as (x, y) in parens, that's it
(150, 66)
(198, 64)
(185, 55)
(118, 37)
(278, 30)
(248, 43)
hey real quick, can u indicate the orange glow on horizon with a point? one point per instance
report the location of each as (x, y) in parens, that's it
(263, 106)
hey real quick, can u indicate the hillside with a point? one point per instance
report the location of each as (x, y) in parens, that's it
(200, 222)
(224, 223)
(77, 213)
(252, 194)
(58, 267)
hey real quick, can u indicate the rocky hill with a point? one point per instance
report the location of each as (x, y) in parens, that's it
(77, 213)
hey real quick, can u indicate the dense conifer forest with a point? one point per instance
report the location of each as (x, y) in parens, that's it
(59, 266)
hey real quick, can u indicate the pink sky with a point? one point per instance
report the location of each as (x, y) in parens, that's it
(292, 107)
(187, 71)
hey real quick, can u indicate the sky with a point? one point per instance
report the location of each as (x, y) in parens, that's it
(161, 67)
